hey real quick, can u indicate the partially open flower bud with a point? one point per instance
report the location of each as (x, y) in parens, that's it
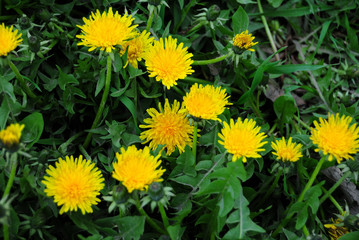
(213, 12)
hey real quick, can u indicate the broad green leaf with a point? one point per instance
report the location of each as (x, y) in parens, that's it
(175, 232)
(101, 82)
(240, 21)
(132, 108)
(65, 79)
(275, 3)
(350, 236)
(285, 108)
(34, 125)
(7, 88)
(290, 68)
(4, 114)
(187, 159)
(352, 35)
(131, 227)
(84, 222)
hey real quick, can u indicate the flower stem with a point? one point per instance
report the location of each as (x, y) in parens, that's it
(269, 34)
(21, 79)
(301, 196)
(210, 61)
(102, 103)
(305, 231)
(194, 146)
(163, 215)
(302, 123)
(13, 162)
(148, 219)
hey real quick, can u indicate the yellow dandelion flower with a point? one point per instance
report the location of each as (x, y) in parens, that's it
(335, 137)
(137, 48)
(74, 184)
(242, 139)
(168, 61)
(244, 41)
(169, 127)
(136, 169)
(206, 102)
(335, 231)
(287, 151)
(10, 137)
(9, 39)
(106, 31)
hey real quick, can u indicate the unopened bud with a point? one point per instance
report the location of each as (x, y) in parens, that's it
(213, 12)
(155, 191)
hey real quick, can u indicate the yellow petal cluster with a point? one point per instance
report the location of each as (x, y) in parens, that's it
(287, 151)
(168, 61)
(168, 126)
(335, 137)
(74, 184)
(242, 139)
(107, 30)
(10, 137)
(9, 39)
(206, 102)
(335, 232)
(244, 41)
(137, 169)
(136, 48)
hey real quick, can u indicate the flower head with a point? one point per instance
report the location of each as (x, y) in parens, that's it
(137, 169)
(336, 137)
(106, 30)
(335, 230)
(10, 137)
(287, 151)
(137, 48)
(242, 139)
(244, 41)
(9, 39)
(74, 183)
(206, 102)
(168, 61)
(169, 127)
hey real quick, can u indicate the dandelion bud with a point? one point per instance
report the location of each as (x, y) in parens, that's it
(44, 14)
(24, 22)
(213, 12)
(155, 191)
(120, 194)
(352, 222)
(34, 44)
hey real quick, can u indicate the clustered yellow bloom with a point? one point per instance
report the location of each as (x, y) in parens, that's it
(10, 137)
(242, 139)
(287, 151)
(336, 137)
(136, 48)
(168, 61)
(74, 184)
(244, 41)
(137, 169)
(169, 127)
(335, 231)
(106, 30)
(9, 39)
(206, 102)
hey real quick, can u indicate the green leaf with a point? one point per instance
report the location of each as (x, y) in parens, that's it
(290, 68)
(84, 222)
(4, 114)
(101, 82)
(175, 232)
(187, 159)
(350, 236)
(352, 35)
(285, 108)
(131, 227)
(65, 79)
(7, 88)
(240, 21)
(34, 125)
(132, 108)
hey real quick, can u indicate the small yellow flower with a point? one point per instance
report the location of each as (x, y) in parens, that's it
(287, 151)
(336, 137)
(10, 137)
(137, 169)
(137, 48)
(206, 102)
(168, 61)
(74, 183)
(106, 31)
(335, 232)
(9, 39)
(168, 127)
(244, 41)
(242, 139)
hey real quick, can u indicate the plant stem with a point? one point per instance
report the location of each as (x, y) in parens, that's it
(210, 61)
(103, 101)
(150, 20)
(301, 197)
(332, 199)
(13, 162)
(269, 34)
(331, 190)
(194, 146)
(21, 79)
(148, 219)
(163, 215)
(305, 231)
(302, 123)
